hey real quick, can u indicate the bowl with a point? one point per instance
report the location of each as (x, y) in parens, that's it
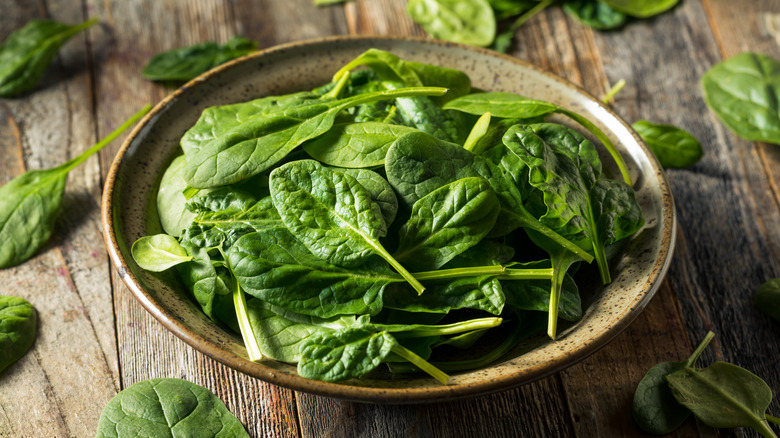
(128, 213)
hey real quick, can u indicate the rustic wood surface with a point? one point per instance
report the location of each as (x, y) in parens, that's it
(95, 339)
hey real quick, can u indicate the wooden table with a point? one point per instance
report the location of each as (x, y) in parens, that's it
(95, 339)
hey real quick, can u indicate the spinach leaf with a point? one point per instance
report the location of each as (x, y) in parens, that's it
(280, 332)
(27, 52)
(513, 106)
(207, 279)
(723, 395)
(417, 164)
(18, 321)
(641, 8)
(767, 298)
(508, 8)
(181, 65)
(355, 145)
(380, 191)
(580, 205)
(167, 407)
(595, 14)
(655, 409)
(673, 146)
(159, 252)
(536, 295)
(332, 214)
(479, 292)
(742, 91)
(446, 222)
(171, 201)
(252, 146)
(467, 22)
(485, 253)
(423, 114)
(29, 204)
(274, 266)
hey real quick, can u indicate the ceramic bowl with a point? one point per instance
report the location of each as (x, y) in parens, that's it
(129, 213)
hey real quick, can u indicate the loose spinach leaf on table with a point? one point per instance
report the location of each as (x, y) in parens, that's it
(767, 298)
(181, 65)
(332, 214)
(674, 147)
(742, 91)
(446, 222)
(247, 148)
(29, 204)
(655, 409)
(595, 13)
(467, 22)
(167, 407)
(723, 395)
(18, 321)
(27, 52)
(641, 8)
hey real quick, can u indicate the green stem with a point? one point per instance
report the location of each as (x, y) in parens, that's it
(102, 143)
(501, 271)
(603, 139)
(700, 349)
(527, 220)
(449, 329)
(614, 91)
(772, 419)
(421, 363)
(382, 252)
(477, 131)
(530, 13)
(252, 347)
(336, 91)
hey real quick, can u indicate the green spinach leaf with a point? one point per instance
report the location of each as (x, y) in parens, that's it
(674, 147)
(332, 214)
(18, 321)
(655, 409)
(767, 298)
(536, 295)
(167, 407)
(171, 200)
(355, 145)
(595, 14)
(641, 8)
(742, 91)
(27, 52)
(250, 147)
(380, 191)
(29, 204)
(467, 22)
(181, 65)
(446, 222)
(159, 252)
(481, 293)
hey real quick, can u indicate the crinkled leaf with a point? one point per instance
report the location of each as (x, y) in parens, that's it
(345, 354)
(482, 293)
(379, 190)
(18, 322)
(168, 407)
(468, 22)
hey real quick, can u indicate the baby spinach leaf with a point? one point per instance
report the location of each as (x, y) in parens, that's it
(742, 91)
(167, 407)
(344, 354)
(673, 146)
(277, 268)
(485, 253)
(332, 214)
(171, 201)
(446, 222)
(641, 8)
(18, 321)
(513, 106)
(280, 332)
(468, 22)
(655, 409)
(723, 395)
(423, 114)
(767, 298)
(27, 52)
(480, 292)
(181, 65)
(29, 204)
(536, 295)
(380, 191)
(581, 206)
(255, 145)
(159, 252)
(205, 278)
(418, 163)
(508, 8)
(355, 145)
(595, 14)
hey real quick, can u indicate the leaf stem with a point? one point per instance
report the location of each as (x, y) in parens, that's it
(700, 349)
(421, 363)
(382, 252)
(772, 419)
(528, 221)
(477, 131)
(501, 271)
(252, 347)
(102, 143)
(336, 91)
(530, 13)
(614, 91)
(450, 329)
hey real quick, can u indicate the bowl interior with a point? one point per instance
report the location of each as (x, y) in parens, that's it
(129, 212)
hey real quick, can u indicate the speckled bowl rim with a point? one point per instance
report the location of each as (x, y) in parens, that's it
(373, 394)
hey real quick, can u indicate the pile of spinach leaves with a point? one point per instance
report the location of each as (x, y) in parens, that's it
(386, 217)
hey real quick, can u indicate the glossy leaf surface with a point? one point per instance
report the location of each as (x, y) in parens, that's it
(186, 63)
(159, 252)
(18, 324)
(674, 147)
